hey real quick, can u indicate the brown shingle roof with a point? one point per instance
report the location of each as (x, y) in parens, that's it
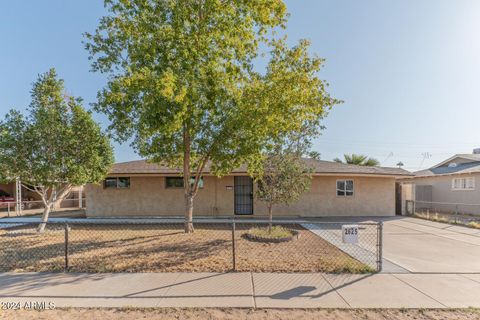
(320, 167)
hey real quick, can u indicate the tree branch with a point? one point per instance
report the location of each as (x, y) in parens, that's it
(198, 175)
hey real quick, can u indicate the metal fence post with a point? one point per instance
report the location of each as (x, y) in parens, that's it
(66, 247)
(234, 258)
(380, 246)
(8, 209)
(456, 213)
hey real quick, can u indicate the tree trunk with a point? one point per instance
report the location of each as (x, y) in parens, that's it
(270, 218)
(43, 223)
(188, 192)
(48, 203)
(188, 213)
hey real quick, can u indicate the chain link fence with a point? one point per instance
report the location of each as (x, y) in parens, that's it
(448, 212)
(214, 246)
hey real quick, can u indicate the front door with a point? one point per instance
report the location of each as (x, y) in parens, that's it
(243, 195)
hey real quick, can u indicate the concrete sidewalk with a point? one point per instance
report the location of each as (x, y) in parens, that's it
(249, 290)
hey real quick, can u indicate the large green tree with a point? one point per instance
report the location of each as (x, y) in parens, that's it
(358, 159)
(56, 146)
(182, 82)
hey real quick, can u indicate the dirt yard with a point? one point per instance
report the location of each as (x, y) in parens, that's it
(237, 314)
(165, 248)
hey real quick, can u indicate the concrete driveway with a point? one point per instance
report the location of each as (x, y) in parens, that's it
(417, 245)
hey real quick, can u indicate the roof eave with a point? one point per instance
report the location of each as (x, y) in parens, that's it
(356, 174)
(451, 158)
(447, 174)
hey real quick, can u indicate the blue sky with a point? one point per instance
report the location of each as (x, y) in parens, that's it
(408, 70)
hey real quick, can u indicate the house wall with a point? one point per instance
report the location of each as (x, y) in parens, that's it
(147, 196)
(441, 191)
(372, 197)
(408, 194)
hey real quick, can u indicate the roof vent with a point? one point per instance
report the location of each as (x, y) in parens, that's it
(476, 151)
(452, 165)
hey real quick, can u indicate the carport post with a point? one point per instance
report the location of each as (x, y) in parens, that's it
(18, 197)
(80, 197)
(379, 246)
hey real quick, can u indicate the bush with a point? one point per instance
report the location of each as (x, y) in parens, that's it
(474, 224)
(275, 233)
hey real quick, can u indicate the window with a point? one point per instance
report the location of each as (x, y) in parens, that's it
(177, 182)
(123, 183)
(117, 183)
(110, 183)
(463, 184)
(344, 188)
(174, 182)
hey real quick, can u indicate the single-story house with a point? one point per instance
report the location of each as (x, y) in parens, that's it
(140, 188)
(450, 185)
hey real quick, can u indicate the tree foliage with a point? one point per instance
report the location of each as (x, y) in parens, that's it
(358, 159)
(285, 177)
(56, 146)
(182, 82)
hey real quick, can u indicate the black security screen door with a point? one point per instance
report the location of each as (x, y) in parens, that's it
(243, 195)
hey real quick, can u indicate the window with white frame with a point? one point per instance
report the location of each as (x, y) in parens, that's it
(463, 183)
(345, 188)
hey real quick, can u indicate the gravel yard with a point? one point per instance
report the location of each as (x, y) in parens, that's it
(165, 248)
(235, 314)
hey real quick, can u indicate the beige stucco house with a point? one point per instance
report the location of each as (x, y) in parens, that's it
(450, 185)
(139, 188)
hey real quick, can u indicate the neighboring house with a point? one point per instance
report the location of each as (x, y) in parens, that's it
(8, 188)
(139, 188)
(450, 185)
(32, 200)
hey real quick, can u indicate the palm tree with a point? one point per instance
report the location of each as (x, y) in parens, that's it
(358, 159)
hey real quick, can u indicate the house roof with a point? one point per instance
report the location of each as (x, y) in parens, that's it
(466, 156)
(320, 167)
(471, 165)
(461, 168)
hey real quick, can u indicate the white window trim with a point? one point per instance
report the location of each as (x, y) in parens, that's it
(463, 182)
(345, 195)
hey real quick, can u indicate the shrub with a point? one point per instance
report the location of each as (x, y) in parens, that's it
(474, 224)
(277, 232)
